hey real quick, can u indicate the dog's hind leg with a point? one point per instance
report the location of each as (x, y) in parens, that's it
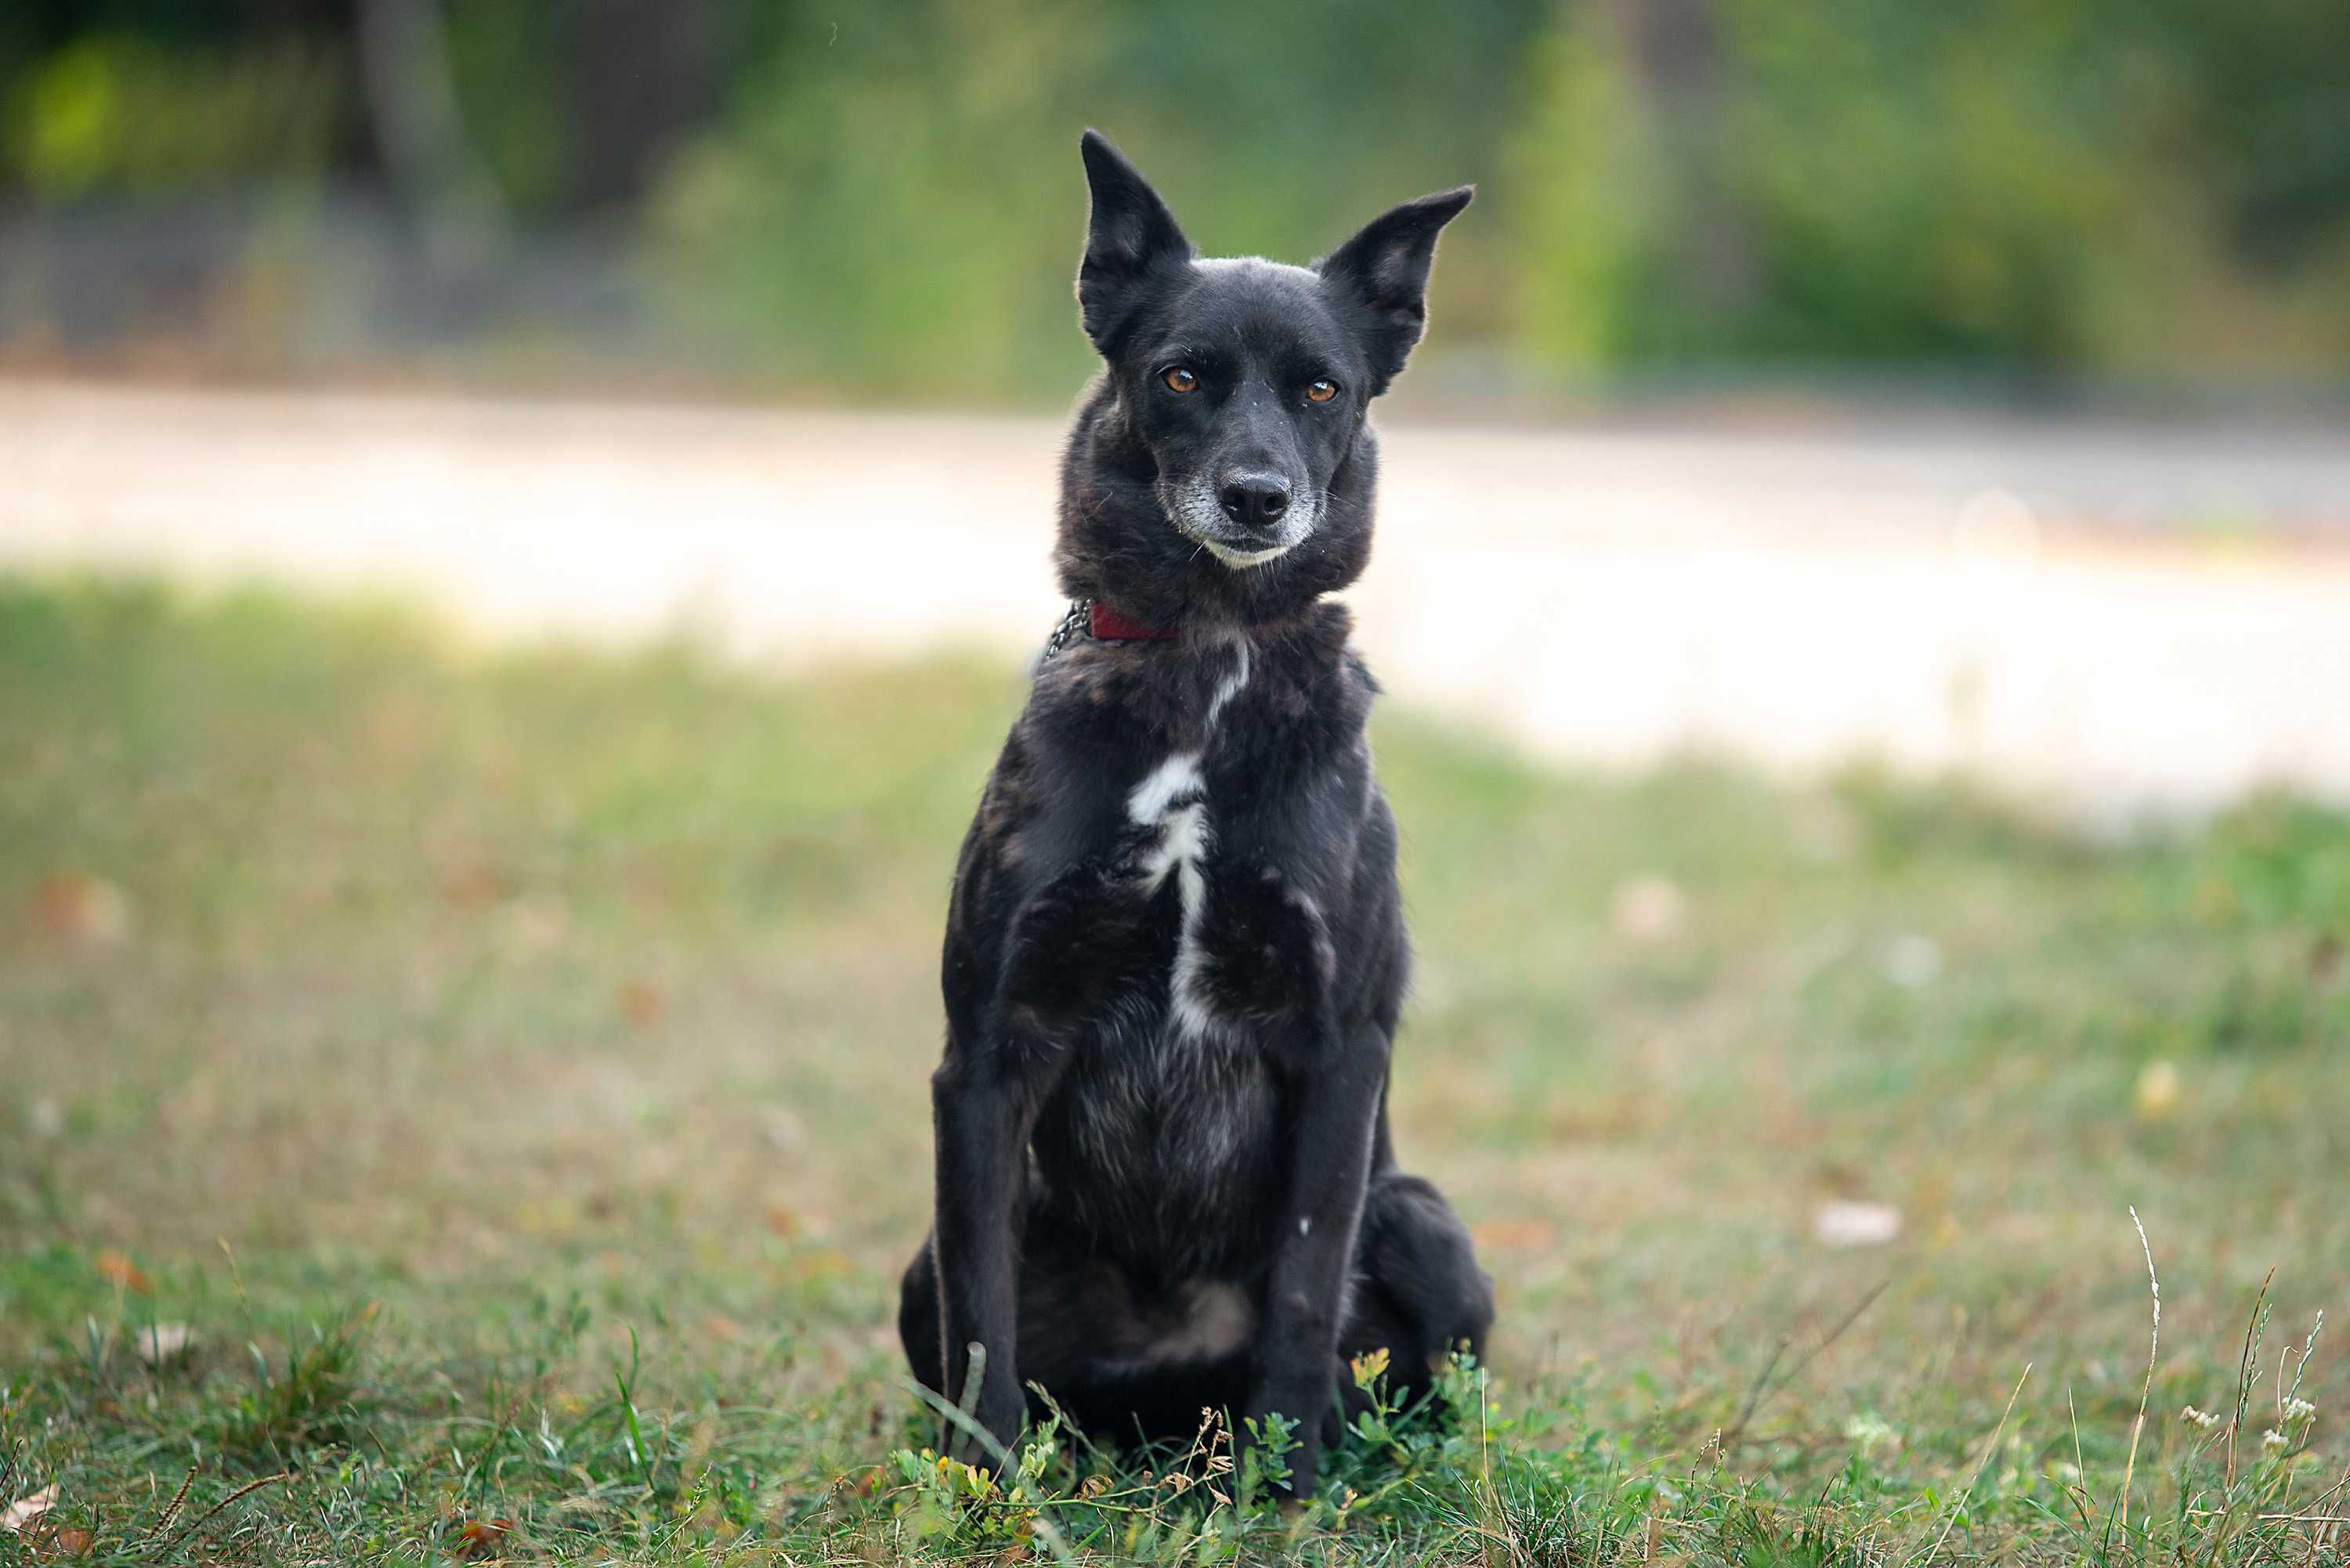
(1123, 1367)
(1419, 1294)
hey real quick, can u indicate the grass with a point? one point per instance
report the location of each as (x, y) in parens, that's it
(464, 1108)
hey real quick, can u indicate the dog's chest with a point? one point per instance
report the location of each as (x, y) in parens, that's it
(1171, 816)
(1211, 956)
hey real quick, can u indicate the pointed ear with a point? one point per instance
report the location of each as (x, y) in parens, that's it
(1385, 268)
(1131, 233)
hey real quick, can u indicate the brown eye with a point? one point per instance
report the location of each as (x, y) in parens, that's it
(1180, 379)
(1322, 391)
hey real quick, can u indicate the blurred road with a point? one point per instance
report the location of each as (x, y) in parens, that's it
(2121, 616)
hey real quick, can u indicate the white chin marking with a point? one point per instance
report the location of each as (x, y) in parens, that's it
(1242, 559)
(1192, 506)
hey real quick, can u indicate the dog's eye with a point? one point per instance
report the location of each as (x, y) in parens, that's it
(1181, 380)
(1322, 391)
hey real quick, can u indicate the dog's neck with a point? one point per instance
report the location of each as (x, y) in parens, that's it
(1107, 623)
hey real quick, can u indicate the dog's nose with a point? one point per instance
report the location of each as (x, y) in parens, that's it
(1254, 500)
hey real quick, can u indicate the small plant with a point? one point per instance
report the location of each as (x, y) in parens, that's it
(310, 1396)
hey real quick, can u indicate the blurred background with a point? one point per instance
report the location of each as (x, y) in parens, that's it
(2007, 344)
(521, 527)
(2024, 197)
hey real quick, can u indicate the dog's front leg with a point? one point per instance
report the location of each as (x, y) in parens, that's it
(1329, 1169)
(981, 1120)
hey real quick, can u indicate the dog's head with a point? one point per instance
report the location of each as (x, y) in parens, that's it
(1229, 471)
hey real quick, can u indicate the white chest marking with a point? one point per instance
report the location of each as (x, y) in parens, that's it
(1173, 798)
(1172, 780)
(1229, 688)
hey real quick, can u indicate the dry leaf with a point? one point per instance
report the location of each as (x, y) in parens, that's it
(1511, 1235)
(26, 1510)
(822, 1264)
(116, 1268)
(472, 884)
(641, 1004)
(480, 1537)
(2158, 1091)
(81, 909)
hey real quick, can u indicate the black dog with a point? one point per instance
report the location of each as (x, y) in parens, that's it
(1175, 951)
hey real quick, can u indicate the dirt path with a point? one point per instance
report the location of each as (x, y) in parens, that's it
(2077, 609)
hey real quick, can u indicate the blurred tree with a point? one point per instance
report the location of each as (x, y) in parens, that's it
(421, 129)
(578, 108)
(644, 74)
(2042, 184)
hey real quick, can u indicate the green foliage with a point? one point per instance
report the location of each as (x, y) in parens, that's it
(884, 198)
(894, 200)
(2031, 182)
(851, 224)
(126, 114)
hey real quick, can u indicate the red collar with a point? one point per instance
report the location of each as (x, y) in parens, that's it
(1103, 624)
(1107, 625)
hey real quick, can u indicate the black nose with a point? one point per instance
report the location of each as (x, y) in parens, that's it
(1254, 500)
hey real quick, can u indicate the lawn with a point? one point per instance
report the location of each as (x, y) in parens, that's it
(472, 1106)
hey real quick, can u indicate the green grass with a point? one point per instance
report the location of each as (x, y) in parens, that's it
(511, 1072)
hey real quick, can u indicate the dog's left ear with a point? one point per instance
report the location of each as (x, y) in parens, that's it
(1386, 268)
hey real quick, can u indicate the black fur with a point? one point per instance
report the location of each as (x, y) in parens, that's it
(1175, 950)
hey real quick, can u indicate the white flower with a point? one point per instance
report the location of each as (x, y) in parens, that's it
(2271, 1439)
(2203, 1419)
(1870, 1432)
(2294, 1409)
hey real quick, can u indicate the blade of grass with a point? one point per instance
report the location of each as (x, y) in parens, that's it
(2244, 1372)
(2153, 1351)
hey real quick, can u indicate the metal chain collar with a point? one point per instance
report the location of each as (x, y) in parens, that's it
(1078, 619)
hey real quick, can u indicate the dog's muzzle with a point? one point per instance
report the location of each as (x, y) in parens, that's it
(1240, 522)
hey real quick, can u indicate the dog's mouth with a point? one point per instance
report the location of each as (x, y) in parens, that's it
(1231, 556)
(1192, 507)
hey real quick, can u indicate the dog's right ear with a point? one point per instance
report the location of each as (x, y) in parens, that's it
(1131, 233)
